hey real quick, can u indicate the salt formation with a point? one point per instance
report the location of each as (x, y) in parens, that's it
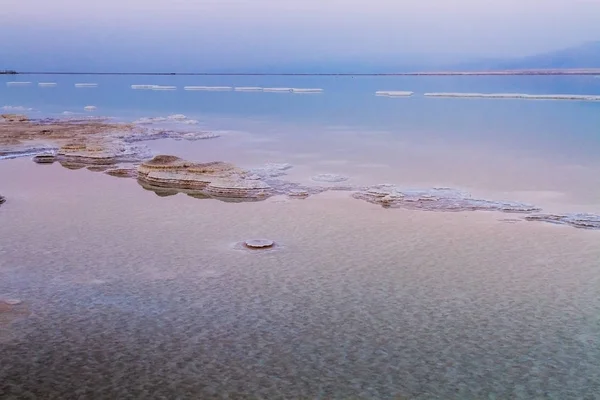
(143, 87)
(331, 178)
(12, 302)
(259, 243)
(276, 90)
(436, 199)
(393, 93)
(208, 88)
(150, 120)
(46, 84)
(16, 108)
(248, 89)
(307, 90)
(271, 170)
(81, 153)
(584, 221)
(214, 179)
(518, 96)
(158, 87)
(177, 117)
(18, 83)
(86, 85)
(89, 108)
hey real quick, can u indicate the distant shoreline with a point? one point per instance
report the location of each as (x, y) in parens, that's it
(531, 72)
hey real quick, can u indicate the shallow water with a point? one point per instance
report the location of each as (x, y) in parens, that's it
(128, 294)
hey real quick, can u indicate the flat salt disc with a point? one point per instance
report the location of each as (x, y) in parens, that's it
(12, 302)
(259, 243)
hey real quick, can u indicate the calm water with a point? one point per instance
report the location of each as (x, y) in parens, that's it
(130, 295)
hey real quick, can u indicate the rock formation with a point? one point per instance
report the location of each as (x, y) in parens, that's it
(215, 179)
(14, 117)
(2, 199)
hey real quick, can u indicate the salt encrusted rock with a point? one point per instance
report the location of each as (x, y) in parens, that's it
(437, 199)
(215, 179)
(583, 221)
(330, 178)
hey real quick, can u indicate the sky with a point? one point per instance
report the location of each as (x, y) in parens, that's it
(250, 34)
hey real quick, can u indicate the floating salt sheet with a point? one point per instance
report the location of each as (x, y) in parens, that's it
(86, 85)
(209, 88)
(90, 108)
(47, 84)
(523, 96)
(277, 90)
(158, 87)
(393, 93)
(307, 90)
(18, 83)
(143, 87)
(248, 89)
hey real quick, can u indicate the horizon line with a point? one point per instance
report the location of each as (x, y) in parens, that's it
(553, 71)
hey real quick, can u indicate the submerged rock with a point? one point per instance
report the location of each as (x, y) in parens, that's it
(437, 199)
(122, 172)
(2, 199)
(298, 193)
(46, 158)
(271, 170)
(583, 221)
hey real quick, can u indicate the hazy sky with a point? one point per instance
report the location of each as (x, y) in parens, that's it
(245, 33)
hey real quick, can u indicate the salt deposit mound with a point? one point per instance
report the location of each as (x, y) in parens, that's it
(158, 87)
(46, 84)
(86, 85)
(89, 108)
(214, 179)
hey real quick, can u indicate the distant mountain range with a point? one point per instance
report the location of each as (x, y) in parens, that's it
(584, 56)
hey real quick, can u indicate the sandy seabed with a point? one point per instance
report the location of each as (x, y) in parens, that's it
(125, 294)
